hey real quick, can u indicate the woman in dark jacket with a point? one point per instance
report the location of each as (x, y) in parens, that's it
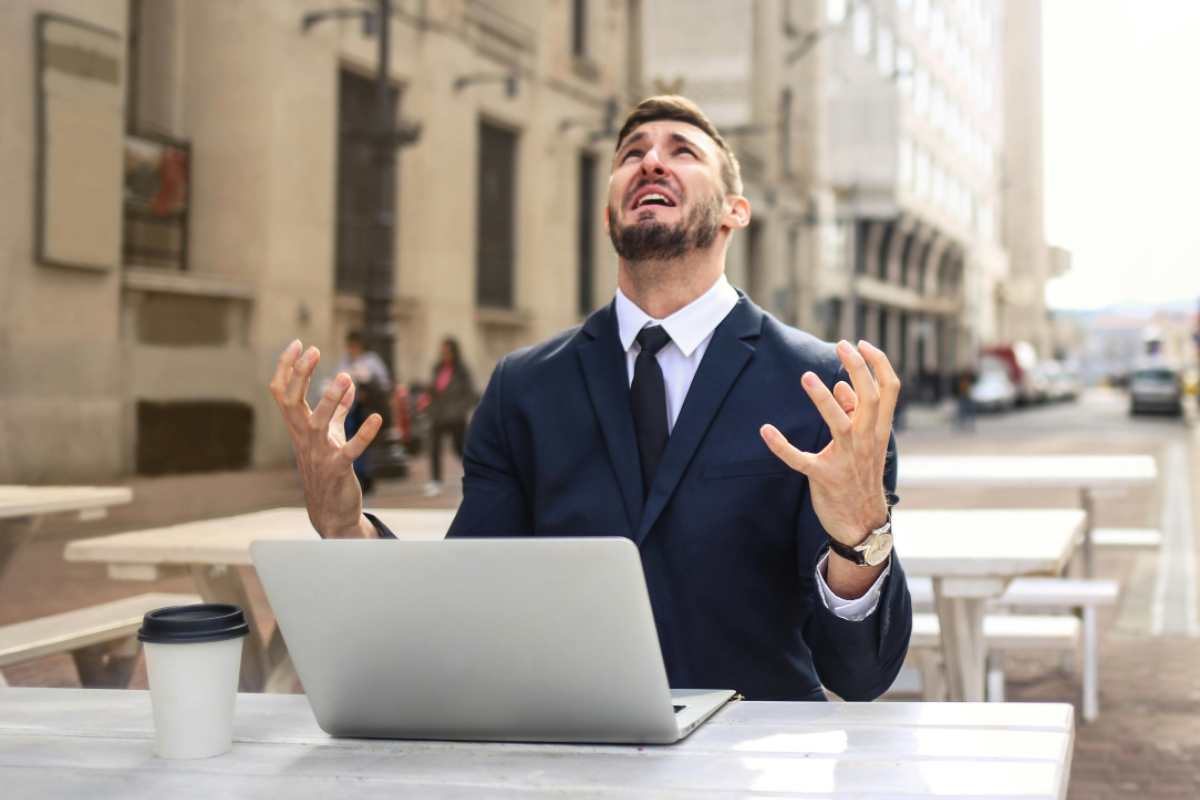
(451, 398)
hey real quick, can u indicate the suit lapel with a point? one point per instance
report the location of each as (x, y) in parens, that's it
(730, 349)
(607, 379)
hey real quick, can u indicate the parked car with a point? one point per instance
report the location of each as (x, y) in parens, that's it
(1061, 381)
(1156, 389)
(993, 391)
(1019, 361)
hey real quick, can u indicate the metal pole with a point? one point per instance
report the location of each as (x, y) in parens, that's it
(380, 271)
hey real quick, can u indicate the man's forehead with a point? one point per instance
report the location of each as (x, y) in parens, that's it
(671, 128)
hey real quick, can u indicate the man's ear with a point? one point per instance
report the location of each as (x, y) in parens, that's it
(607, 221)
(737, 212)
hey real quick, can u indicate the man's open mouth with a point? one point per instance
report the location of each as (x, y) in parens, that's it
(652, 198)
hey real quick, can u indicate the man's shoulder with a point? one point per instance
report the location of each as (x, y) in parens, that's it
(798, 350)
(549, 354)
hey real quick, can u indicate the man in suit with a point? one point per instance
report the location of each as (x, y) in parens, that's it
(686, 418)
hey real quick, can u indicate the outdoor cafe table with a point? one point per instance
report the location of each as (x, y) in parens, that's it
(1085, 474)
(97, 744)
(22, 508)
(971, 555)
(213, 551)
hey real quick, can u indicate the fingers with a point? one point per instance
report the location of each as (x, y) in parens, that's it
(837, 420)
(864, 385)
(343, 406)
(297, 386)
(283, 369)
(889, 387)
(366, 434)
(845, 396)
(331, 401)
(779, 445)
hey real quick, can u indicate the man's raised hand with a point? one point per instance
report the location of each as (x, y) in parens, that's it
(846, 478)
(323, 456)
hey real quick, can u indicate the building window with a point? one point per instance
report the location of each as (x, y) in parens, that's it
(835, 11)
(579, 28)
(785, 131)
(366, 209)
(904, 70)
(922, 172)
(885, 52)
(904, 163)
(587, 231)
(862, 30)
(921, 92)
(921, 14)
(495, 229)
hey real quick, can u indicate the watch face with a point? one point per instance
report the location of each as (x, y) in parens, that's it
(879, 547)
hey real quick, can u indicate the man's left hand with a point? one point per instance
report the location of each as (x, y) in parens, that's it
(846, 478)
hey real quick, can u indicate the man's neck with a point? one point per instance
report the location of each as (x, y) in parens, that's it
(660, 288)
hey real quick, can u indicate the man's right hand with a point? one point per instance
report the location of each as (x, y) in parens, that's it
(324, 457)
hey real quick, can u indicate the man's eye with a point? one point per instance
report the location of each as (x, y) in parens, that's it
(630, 153)
(685, 151)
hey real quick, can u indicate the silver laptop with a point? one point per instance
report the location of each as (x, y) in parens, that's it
(533, 640)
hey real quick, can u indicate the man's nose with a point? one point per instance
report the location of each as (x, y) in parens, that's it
(652, 164)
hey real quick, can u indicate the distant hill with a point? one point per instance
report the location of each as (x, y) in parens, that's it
(1143, 310)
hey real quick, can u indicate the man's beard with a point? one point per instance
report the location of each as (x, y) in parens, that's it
(657, 241)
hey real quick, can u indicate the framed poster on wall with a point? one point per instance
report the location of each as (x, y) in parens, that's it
(79, 139)
(157, 170)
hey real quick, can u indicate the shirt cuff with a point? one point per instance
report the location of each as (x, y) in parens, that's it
(851, 610)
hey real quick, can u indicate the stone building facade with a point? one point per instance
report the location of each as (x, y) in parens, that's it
(247, 127)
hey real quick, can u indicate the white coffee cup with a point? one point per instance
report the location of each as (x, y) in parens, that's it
(193, 661)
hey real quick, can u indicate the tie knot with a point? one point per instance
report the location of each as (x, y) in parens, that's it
(653, 339)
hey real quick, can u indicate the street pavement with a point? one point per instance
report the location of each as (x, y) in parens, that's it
(1146, 742)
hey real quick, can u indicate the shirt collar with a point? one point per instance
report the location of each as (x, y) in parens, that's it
(687, 327)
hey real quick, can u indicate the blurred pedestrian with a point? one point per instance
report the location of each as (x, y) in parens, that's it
(451, 397)
(965, 419)
(372, 388)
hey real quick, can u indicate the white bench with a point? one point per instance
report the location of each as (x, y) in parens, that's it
(101, 638)
(1079, 595)
(1002, 632)
(1127, 537)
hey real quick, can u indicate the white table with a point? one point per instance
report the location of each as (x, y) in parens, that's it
(22, 509)
(214, 551)
(1083, 473)
(971, 556)
(97, 744)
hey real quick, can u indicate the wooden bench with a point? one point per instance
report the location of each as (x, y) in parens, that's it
(1081, 596)
(1127, 537)
(101, 639)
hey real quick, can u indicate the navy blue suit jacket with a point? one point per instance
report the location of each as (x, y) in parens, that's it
(728, 537)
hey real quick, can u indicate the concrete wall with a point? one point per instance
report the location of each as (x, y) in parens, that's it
(60, 382)
(258, 101)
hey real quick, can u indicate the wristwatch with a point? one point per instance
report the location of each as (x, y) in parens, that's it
(873, 550)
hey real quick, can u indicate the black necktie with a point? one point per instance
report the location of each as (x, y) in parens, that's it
(649, 395)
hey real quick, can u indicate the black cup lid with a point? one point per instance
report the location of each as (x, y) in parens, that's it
(203, 622)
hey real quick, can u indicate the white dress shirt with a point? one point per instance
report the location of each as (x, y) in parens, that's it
(691, 329)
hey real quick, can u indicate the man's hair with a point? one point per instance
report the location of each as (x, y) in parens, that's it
(355, 337)
(680, 109)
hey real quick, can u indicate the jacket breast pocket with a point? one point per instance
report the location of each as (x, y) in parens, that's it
(747, 468)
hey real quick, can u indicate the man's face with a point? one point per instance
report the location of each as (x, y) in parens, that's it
(665, 194)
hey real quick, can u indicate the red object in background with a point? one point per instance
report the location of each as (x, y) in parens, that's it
(401, 422)
(172, 183)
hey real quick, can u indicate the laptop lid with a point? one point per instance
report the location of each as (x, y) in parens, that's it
(533, 639)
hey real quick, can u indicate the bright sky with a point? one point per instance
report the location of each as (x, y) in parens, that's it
(1122, 149)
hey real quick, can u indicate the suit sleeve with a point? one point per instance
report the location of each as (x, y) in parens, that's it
(858, 660)
(493, 501)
